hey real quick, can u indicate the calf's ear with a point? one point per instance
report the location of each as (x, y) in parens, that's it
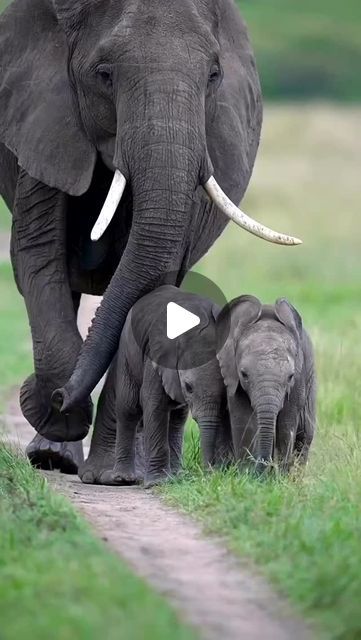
(231, 322)
(39, 121)
(171, 383)
(289, 316)
(227, 361)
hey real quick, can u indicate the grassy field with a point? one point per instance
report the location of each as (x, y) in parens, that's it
(304, 534)
(58, 581)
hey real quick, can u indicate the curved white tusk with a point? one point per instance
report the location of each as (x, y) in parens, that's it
(110, 205)
(231, 210)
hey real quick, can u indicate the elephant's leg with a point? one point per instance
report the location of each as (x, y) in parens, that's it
(285, 439)
(244, 430)
(307, 423)
(38, 251)
(102, 448)
(48, 455)
(155, 404)
(224, 453)
(177, 420)
(124, 470)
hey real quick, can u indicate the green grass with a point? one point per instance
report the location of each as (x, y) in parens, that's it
(304, 533)
(306, 49)
(58, 581)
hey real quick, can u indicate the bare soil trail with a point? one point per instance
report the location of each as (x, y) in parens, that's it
(208, 587)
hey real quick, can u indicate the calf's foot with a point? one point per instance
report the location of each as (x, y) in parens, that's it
(92, 470)
(47, 455)
(153, 479)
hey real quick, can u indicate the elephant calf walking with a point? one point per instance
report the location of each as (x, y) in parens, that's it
(157, 381)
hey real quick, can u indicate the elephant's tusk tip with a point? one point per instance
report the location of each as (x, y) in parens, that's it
(95, 235)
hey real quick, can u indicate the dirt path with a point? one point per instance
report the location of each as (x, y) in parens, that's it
(207, 586)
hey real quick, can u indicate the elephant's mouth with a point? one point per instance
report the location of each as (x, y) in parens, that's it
(215, 193)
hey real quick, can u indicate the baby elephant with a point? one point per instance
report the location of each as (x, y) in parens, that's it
(267, 364)
(159, 379)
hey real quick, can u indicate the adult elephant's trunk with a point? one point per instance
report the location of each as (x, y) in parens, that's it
(163, 150)
(266, 411)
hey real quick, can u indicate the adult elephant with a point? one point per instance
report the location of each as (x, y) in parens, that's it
(155, 99)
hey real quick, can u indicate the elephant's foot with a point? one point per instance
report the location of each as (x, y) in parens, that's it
(157, 478)
(47, 455)
(92, 470)
(120, 477)
(47, 421)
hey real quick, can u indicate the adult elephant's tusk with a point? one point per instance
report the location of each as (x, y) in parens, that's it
(110, 205)
(231, 210)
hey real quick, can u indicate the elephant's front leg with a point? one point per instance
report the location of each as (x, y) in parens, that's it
(156, 412)
(38, 251)
(285, 438)
(244, 429)
(113, 449)
(102, 449)
(177, 420)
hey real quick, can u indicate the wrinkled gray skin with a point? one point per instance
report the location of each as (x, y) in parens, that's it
(268, 366)
(165, 91)
(152, 388)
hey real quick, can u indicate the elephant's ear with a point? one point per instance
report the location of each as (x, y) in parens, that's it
(227, 361)
(171, 382)
(231, 322)
(289, 316)
(38, 118)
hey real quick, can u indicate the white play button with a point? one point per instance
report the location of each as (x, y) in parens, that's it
(179, 320)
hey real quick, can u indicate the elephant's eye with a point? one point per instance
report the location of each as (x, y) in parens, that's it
(215, 74)
(188, 387)
(290, 378)
(244, 375)
(104, 73)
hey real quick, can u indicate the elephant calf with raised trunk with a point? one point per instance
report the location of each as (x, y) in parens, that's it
(268, 366)
(157, 381)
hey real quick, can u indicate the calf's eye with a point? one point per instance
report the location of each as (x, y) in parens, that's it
(215, 74)
(188, 387)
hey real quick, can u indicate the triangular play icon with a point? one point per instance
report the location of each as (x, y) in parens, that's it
(179, 320)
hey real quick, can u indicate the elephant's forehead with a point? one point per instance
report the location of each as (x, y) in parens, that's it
(151, 23)
(268, 340)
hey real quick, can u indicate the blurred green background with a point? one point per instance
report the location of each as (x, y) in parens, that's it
(306, 49)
